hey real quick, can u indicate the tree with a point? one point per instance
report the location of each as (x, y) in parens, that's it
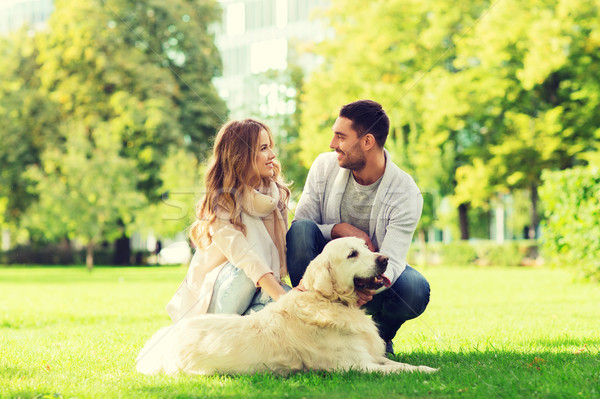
(402, 53)
(143, 66)
(86, 192)
(544, 57)
(572, 229)
(175, 36)
(280, 108)
(136, 74)
(182, 177)
(482, 95)
(28, 121)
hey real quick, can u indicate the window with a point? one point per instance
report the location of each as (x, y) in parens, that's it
(236, 19)
(268, 54)
(281, 11)
(260, 14)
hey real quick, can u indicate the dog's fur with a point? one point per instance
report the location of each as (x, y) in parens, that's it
(321, 328)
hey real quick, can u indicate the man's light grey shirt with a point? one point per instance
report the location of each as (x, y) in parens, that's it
(394, 216)
(357, 202)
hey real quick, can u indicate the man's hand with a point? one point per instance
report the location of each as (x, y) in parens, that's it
(347, 230)
(300, 287)
(364, 296)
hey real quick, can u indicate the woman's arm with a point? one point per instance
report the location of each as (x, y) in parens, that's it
(235, 247)
(271, 286)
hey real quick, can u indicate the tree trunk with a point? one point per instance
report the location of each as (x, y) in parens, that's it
(532, 233)
(122, 251)
(89, 256)
(463, 220)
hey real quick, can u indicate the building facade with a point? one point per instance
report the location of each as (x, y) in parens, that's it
(16, 13)
(254, 37)
(258, 36)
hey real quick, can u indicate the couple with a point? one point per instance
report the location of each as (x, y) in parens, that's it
(241, 225)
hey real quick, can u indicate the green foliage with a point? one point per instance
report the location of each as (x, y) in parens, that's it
(84, 192)
(286, 127)
(540, 118)
(482, 95)
(28, 122)
(182, 187)
(93, 109)
(493, 254)
(56, 254)
(458, 253)
(571, 234)
(405, 58)
(484, 328)
(142, 69)
(476, 252)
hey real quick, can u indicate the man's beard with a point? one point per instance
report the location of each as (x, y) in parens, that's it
(353, 159)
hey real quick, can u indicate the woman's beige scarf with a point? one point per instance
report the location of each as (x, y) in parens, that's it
(264, 204)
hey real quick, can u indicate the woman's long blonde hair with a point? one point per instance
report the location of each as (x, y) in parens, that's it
(231, 171)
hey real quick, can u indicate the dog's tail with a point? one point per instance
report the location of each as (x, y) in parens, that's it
(154, 356)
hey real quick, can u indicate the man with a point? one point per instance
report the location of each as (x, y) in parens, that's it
(358, 191)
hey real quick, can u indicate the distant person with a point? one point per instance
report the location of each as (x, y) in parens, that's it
(358, 191)
(240, 228)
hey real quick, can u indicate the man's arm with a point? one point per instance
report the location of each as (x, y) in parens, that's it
(399, 232)
(347, 230)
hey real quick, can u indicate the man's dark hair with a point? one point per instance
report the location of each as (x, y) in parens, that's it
(368, 117)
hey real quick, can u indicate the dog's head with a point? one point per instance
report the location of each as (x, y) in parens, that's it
(344, 266)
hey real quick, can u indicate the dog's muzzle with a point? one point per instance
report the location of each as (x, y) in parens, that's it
(381, 262)
(377, 281)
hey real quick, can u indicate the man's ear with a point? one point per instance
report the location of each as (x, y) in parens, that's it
(368, 141)
(318, 277)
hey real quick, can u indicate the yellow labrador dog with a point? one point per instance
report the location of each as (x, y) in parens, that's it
(320, 328)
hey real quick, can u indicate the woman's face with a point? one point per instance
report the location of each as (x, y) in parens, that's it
(265, 156)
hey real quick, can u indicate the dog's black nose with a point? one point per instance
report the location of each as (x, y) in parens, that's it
(381, 262)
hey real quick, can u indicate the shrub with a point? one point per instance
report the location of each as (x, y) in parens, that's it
(458, 253)
(571, 233)
(480, 252)
(44, 255)
(493, 254)
(61, 255)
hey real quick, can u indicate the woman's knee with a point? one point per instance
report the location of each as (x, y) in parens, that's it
(233, 291)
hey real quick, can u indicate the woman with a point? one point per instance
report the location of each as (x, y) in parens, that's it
(239, 230)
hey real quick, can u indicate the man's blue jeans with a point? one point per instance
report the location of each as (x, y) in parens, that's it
(406, 299)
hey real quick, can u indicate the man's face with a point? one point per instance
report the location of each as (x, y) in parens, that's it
(346, 143)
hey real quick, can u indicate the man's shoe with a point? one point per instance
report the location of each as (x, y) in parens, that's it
(389, 349)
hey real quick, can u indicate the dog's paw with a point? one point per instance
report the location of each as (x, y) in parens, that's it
(425, 369)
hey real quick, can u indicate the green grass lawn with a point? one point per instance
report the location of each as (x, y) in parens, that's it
(494, 332)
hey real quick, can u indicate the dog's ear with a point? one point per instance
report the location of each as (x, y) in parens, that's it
(318, 277)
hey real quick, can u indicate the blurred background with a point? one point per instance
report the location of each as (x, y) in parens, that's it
(108, 110)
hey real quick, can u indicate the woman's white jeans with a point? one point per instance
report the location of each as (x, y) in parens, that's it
(235, 293)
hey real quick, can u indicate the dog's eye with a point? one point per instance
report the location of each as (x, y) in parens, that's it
(353, 254)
